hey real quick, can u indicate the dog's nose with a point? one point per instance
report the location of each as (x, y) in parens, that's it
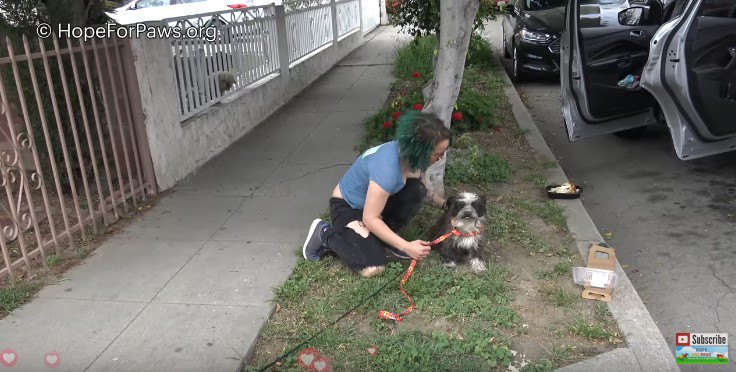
(467, 215)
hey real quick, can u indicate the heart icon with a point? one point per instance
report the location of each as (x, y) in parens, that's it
(372, 350)
(321, 365)
(306, 357)
(8, 357)
(52, 360)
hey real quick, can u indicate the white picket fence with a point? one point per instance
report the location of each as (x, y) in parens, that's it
(371, 15)
(309, 26)
(253, 43)
(348, 16)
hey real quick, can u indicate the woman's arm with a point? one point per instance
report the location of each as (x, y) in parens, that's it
(434, 200)
(431, 198)
(375, 201)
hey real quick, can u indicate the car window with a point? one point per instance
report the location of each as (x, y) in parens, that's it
(716, 8)
(150, 3)
(543, 4)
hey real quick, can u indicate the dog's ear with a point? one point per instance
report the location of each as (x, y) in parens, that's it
(480, 208)
(450, 202)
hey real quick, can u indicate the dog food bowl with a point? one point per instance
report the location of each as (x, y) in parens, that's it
(563, 195)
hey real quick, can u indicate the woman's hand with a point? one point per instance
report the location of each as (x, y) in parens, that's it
(417, 249)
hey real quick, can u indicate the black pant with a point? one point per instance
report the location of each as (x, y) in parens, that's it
(358, 252)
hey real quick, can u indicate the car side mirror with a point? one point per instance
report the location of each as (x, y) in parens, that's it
(635, 16)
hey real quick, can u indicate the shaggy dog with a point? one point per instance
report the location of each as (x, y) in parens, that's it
(465, 215)
(226, 81)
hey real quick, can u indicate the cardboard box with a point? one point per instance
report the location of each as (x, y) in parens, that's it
(599, 277)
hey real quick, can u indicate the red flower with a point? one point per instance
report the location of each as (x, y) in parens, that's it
(416, 75)
(396, 115)
(418, 107)
(457, 116)
(387, 124)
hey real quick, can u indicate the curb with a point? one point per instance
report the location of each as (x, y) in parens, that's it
(644, 340)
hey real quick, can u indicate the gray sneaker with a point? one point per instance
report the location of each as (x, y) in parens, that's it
(313, 246)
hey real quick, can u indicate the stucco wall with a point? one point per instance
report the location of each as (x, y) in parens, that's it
(178, 148)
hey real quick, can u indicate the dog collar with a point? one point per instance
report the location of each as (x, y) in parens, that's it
(455, 232)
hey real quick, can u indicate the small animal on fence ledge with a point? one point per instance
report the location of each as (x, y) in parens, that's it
(462, 225)
(226, 81)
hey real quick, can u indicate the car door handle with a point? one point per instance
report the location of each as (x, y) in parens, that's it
(637, 33)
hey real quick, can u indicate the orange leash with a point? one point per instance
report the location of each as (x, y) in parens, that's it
(387, 315)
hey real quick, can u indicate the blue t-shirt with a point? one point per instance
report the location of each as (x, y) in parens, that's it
(379, 164)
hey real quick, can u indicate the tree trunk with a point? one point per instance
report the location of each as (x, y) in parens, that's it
(456, 28)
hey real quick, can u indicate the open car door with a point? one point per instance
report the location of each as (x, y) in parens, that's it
(692, 73)
(598, 54)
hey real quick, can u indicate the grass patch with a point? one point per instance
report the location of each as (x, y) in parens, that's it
(558, 296)
(542, 365)
(548, 210)
(52, 260)
(560, 270)
(590, 331)
(12, 298)
(510, 226)
(562, 354)
(416, 57)
(536, 179)
(476, 166)
(475, 307)
(602, 310)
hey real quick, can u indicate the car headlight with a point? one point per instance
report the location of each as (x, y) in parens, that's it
(535, 37)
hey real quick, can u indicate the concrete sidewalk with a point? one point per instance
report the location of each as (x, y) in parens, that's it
(187, 287)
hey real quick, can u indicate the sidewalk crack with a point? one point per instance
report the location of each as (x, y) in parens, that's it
(713, 271)
(718, 302)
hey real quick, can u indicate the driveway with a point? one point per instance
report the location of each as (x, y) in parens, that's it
(672, 222)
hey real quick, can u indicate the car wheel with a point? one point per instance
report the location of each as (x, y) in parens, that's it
(517, 70)
(632, 133)
(505, 48)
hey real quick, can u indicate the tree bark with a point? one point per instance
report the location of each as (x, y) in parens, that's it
(440, 95)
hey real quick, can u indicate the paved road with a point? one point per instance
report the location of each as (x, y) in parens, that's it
(672, 222)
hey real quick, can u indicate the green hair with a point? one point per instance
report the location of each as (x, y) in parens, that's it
(417, 133)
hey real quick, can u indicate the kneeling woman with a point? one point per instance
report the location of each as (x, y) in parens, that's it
(378, 196)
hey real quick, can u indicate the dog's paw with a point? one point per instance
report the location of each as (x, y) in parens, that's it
(477, 266)
(449, 264)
